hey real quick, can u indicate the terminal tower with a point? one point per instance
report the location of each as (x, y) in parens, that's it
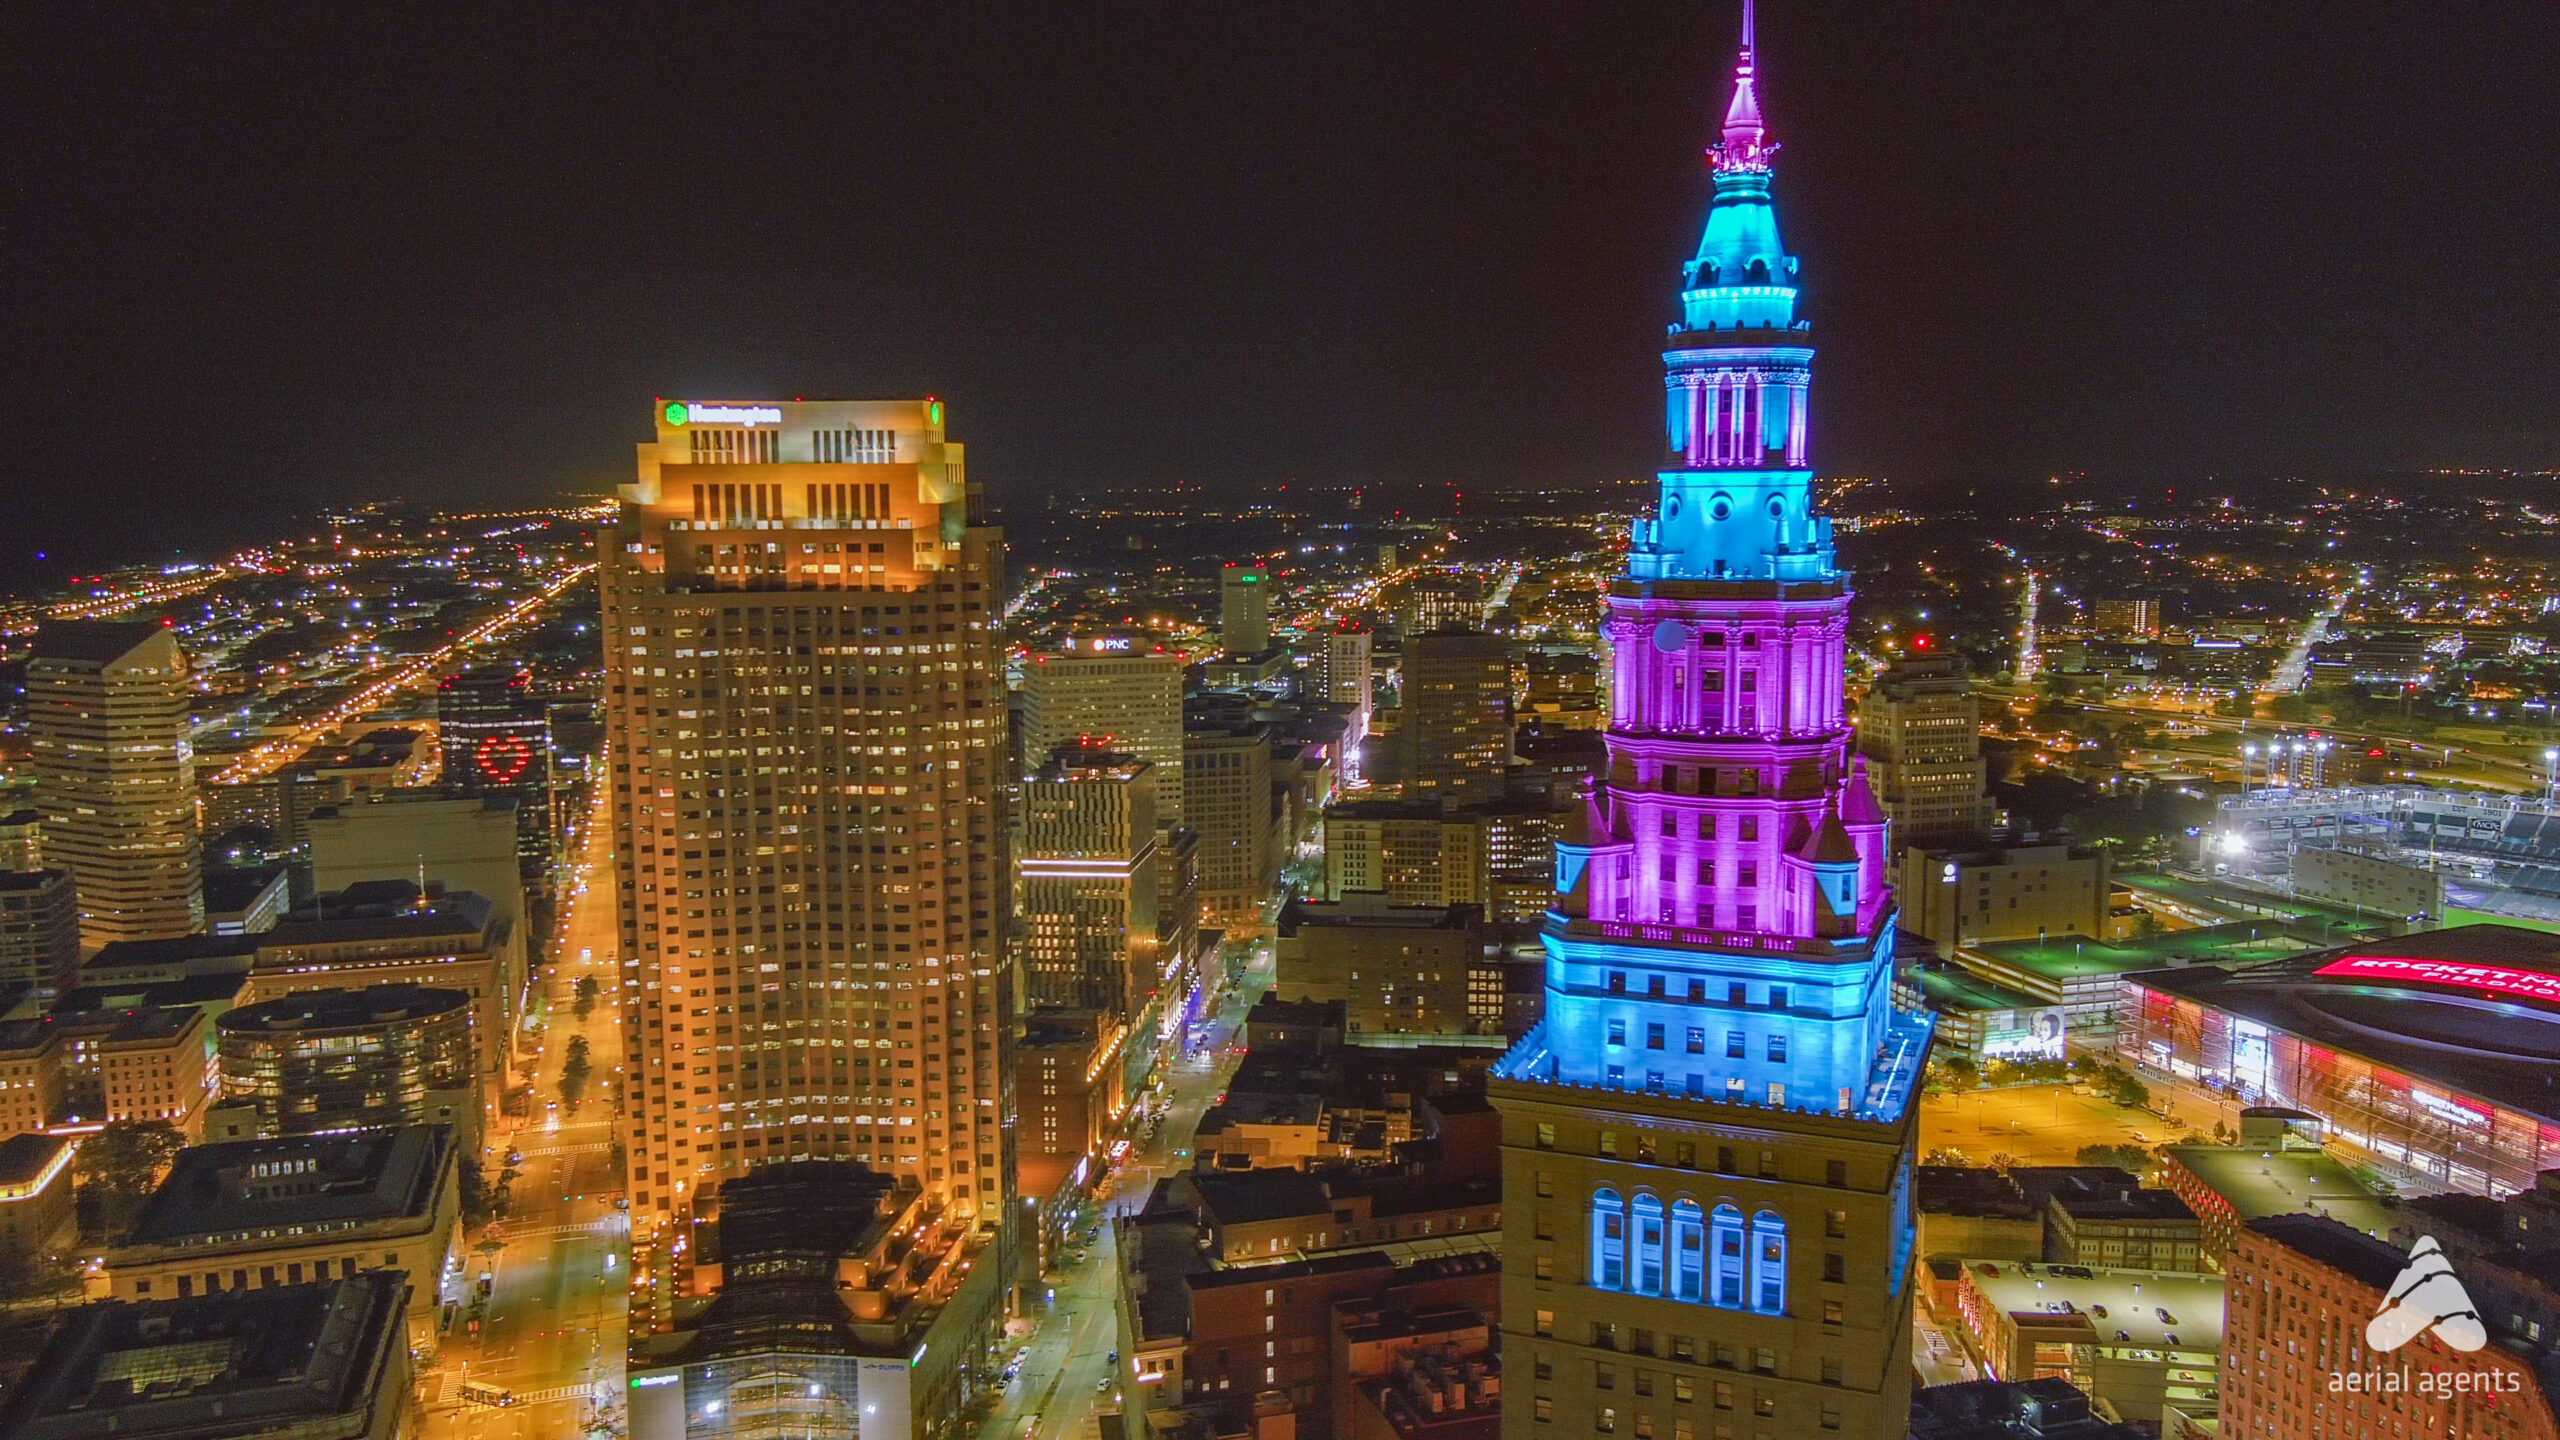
(1708, 1141)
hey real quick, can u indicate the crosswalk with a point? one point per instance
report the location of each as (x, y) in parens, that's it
(561, 1392)
(596, 1147)
(610, 1226)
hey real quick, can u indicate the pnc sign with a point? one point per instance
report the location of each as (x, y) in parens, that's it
(679, 412)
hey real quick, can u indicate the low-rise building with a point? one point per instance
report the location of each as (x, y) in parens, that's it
(1398, 969)
(39, 929)
(1981, 1214)
(2122, 1229)
(2301, 1359)
(245, 899)
(1967, 897)
(2137, 1340)
(2020, 1410)
(30, 1075)
(36, 1202)
(295, 1362)
(253, 1214)
(1414, 852)
(1219, 1349)
(822, 1297)
(325, 1060)
(387, 932)
(2227, 1186)
(1067, 1089)
(134, 1062)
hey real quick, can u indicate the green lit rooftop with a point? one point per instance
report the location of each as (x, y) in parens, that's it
(2259, 1183)
(2076, 957)
(1948, 990)
(2239, 903)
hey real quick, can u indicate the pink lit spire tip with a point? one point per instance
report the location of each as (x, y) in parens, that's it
(1745, 144)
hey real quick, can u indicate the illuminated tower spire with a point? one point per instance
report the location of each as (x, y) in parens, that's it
(1722, 1086)
(1744, 146)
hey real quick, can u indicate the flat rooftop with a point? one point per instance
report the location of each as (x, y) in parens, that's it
(2077, 957)
(25, 1157)
(1951, 990)
(252, 1362)
(2473, 1009)
(2238, 902)
(2133, 1302)
(2260, 1183)
(239, 1189)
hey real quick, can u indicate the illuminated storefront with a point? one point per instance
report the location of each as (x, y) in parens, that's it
(2439, 1053)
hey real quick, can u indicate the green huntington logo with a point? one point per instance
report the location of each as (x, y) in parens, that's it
(676, 413)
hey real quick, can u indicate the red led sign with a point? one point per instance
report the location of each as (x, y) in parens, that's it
(2531, 984)
(503, 759)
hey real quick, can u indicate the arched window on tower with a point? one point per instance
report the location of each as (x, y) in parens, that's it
(1648, 1229)
(1608, 1240)
(1769, 1263)
(1688, 1252)
(1724, 1239)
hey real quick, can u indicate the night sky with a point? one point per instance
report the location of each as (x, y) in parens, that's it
(254, 261)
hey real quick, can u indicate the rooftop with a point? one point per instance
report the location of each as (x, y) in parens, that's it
(2051, 1408)
(230, 889)
(1369, 909)
(345, 1009)
(380, 910)
(2126, 1205)
(2474, 1009)
(2133, 1302)
(2238, 902)
(2259, 1183)
(1253, 1196)
(236, 1363)
(2077, 957)
(114, 1024)
(96, 641)
(224, 1192)
(2375, 1262)
(173, 954)
(25, 1157)
(191, 990)
(1947, 988)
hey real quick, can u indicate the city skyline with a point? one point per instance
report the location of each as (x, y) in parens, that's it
(948, 915)
(2185, 217)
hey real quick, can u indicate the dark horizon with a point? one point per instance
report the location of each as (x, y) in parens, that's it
(259, 268)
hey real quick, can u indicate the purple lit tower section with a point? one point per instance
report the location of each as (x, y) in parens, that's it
(1733, 847)
(1720, 1095)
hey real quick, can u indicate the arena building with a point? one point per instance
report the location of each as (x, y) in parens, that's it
(2436, 1053)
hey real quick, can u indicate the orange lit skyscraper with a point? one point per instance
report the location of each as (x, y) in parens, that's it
(807, 718)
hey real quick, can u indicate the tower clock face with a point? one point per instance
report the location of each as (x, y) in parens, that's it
(502, 759)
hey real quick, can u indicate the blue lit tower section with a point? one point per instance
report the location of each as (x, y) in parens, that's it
(1708, 1141)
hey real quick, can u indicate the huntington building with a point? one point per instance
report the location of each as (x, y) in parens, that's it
(807, 719)
(1707, 1143)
